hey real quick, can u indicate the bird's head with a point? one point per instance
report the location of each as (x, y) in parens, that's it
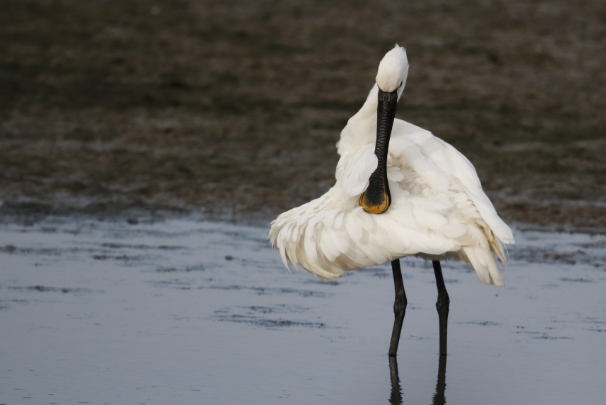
(391, 79)
(393, 71)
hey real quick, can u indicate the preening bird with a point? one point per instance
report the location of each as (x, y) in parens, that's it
(400, 191)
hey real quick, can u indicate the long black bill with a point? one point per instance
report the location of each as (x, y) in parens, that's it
(377, 198)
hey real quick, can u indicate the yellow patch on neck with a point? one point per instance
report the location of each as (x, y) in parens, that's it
(375, 209)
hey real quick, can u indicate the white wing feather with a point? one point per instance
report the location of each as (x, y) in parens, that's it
(438, 209)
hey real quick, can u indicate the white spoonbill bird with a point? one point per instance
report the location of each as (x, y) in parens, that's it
(400, 192)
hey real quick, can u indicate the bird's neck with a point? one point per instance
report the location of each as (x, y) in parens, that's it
(360, 129)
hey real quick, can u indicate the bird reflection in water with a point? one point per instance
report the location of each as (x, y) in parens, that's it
(396, 391)
(442, 305)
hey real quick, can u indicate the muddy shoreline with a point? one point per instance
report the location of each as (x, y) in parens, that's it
(232, 110)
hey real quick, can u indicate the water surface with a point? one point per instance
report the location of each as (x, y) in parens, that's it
(186, 312)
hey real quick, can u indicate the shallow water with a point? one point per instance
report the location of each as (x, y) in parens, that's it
(185, 312)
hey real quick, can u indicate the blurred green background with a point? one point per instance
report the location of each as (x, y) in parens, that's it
(233, 108)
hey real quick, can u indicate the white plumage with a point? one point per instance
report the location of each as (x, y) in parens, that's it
(438, 208)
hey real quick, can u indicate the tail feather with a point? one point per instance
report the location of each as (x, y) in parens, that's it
(495, 245)
(484, 264)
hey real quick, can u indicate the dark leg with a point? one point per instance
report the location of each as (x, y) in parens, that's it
(399, 307)
(442, 306)
(396, 390)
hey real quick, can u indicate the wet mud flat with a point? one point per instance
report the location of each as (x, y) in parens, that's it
(185, 311)
(233, 108)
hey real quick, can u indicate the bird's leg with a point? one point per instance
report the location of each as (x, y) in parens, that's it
(442, 305)
(399, 307)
